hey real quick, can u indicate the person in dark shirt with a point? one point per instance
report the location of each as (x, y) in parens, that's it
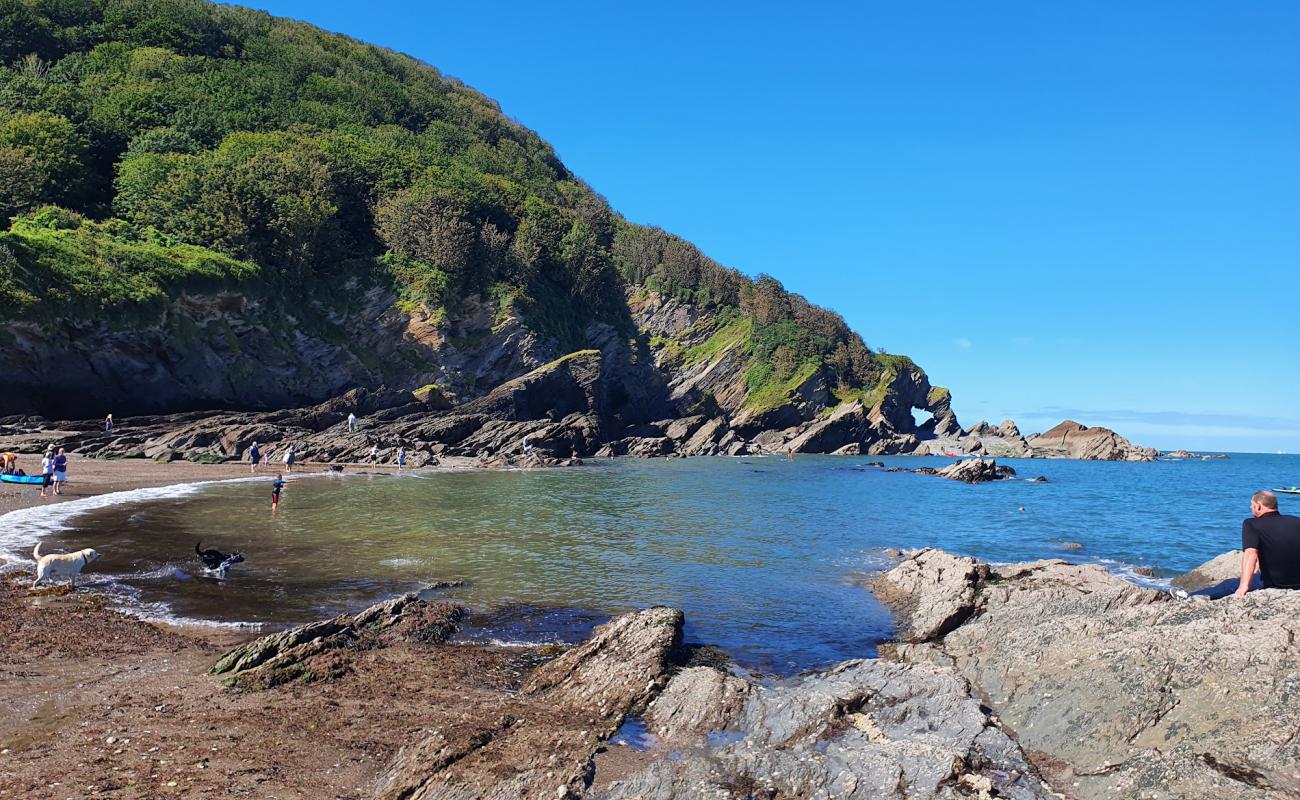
(1271, 541)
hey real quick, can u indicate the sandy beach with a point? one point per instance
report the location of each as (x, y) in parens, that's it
(97, 703)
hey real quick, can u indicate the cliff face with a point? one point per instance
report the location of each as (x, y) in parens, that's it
(484, 383)
(220, 209)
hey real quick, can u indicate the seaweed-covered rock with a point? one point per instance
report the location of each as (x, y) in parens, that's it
(543, 743)
(307, 651)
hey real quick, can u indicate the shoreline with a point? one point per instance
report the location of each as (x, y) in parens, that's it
(141, 478)
(132, 699)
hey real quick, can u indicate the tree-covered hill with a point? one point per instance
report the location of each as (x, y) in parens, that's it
(154, 150)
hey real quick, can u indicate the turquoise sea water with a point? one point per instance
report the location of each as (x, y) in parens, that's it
(767, 558)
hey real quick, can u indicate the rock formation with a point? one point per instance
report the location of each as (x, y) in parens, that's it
(1119, 690)
(971, 470)
(314, 651)
(1072, 440)
(1066, 440)
(542, 744)
(860, 730)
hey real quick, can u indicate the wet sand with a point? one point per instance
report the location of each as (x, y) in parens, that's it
(96, 703)
(88, 477)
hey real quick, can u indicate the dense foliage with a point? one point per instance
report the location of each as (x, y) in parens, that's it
(149, 144)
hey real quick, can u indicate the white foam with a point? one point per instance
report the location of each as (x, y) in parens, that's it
(401, 562)
(21, 529)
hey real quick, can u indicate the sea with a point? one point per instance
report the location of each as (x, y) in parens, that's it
(769, 559)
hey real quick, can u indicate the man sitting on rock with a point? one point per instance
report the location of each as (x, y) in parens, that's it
(1272, 541)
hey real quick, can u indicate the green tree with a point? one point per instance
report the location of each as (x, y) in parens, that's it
(22, 182)
(54, 145)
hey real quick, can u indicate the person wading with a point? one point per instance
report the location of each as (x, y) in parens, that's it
(1271, 541)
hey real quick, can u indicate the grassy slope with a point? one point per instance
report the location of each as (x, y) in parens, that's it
(209, 146)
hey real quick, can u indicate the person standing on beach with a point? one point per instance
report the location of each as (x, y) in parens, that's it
(47, 471)
(374, 454)
(401, 458)
(352, 422)
(108, 423)
(60, 471)
(275, 491)
(1271, 541)
(289, 459)
(254, 457)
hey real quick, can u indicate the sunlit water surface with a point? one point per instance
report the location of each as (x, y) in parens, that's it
(767, 558)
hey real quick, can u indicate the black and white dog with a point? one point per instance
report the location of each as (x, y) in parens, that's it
(217, 561)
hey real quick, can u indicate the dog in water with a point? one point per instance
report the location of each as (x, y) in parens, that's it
(217, 561)
(66, 565)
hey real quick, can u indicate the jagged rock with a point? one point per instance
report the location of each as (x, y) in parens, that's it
(1189, 454)
(680, 430)
(931, 591)
(617, 669)
(853, 449)
(1223, 571)
(972, 445)
(1008, 430)
(858, 731)
(305, 652)
(1123, 689)
(541, 745)
(943, 422)
(1072, 440)
(697, 701)
(971, 470)
(705, 441)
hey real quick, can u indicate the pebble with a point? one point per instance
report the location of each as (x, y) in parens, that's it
(111, 740)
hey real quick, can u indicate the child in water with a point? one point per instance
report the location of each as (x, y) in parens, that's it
(275, 490)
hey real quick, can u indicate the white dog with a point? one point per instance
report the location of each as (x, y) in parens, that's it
(55, 565)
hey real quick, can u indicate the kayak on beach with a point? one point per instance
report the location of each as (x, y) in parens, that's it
(35, 480)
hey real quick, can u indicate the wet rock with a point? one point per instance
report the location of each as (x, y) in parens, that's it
(859, 730)
(309, 652)
(1071, 546)
(931, 592)
(1122, 688)
(697, 701)
(971, 470)
(541, 745)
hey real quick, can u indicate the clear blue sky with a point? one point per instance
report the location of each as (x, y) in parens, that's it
(1057, 209)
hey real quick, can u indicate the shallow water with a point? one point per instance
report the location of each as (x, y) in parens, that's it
(765, 557)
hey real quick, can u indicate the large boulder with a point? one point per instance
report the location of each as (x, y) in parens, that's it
(971, 470)
(697, 702)
(541, 745)
(861, 730)
(931, 592)
(1218, 577)
(1125, 690)
(1072, 440)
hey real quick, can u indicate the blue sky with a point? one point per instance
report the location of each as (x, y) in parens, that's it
(1057, 209)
